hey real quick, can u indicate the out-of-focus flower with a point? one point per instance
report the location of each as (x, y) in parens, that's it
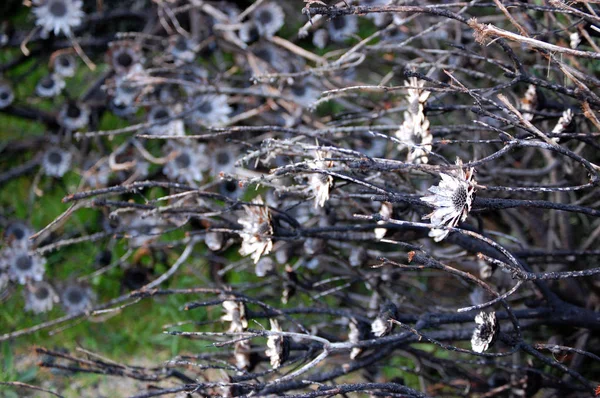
(574, 40)
(222, 160)
(320, 38)
(56, 162)
(49, 86)
(7, 96)
(268, 19)
(358, 331)
(257, 230)
(343, 27)
(158, 117)
(278, 346)
(485, 332)
(529, 102)
(182, 49)
(564, 121)
(414, 132)
(319, 183)
(17, 234)
(73, 116)
(58, 16)
(77, 298)
(22, 266)
(188, 164)
(385, 212)
(452, 200)
(210, 110)
(382, 326)
(97, 173)
(40, 297)
(125, 56)
(264, 266)
(65, 65)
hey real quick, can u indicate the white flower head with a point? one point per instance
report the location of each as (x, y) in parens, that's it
(187, 164)
(268, 19)
(342, 27)
(56, 162)
(485, 331)
(65, 65)
(210, 110)
(142, 231)
(17, 234)
(22, 266)
(235, 312)
(257, 230)
(320, 38)
(40, 297)
(264, 266)
(414, 131)
(74, 116)
(319, 183)
(7, 96)
(125, 56)
(182, 49)
(222, 160)
(574, 40)
(278, 346)
(382, 326)
(58, 16)
(77, 298)
(162, 123)
(452, 199)
(49, 86)
(358, 331)
(385, 212)
(564, 121)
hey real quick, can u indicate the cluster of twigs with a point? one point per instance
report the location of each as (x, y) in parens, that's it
(415, 203)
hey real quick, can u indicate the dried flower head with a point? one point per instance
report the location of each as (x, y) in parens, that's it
(49, 86)
(65, 65)
(382, 326)
(76, 298)
(17, 234)
(278, 346)
(485, 331)
(574, 40)
(40, 297)
(564, 121)
(257, 230)
(58, 16)
(319, 183)
(7, 96)
(414, 132)
(187, 164)
(358, 331)
(125, 56)
(385, 212)
(529, 102)
(182, 49)
(268, 19)
(162, 123)
(210, 110)
(22, 266)
(235, 312)
(56, 161)
(320, 38)
(342, 27)
(74, 116)
(452, 200)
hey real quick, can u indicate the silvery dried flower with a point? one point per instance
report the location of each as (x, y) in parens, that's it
(382, 326)
(162, 123)
(485, 332)
(249, 32)
(320, 183)
(358, 331)
(257, 230)
(65, 65)
(125, 93)
(358, 256)
(76, 298)
(529, 102)
(142, 231)
(17, 234)
(452, 200)
(49, 86)
(574, 40)
(414, 131)
(242, 353)
(184, 50)
(342, 27)
(22, 266)
(278, 346)
(320, 38)
(268, 19)
(58, 16)
(235, 312)
(73, 116)
(40, 297)
(187, 164)
(7, 96)
(230, 188)
(210, 110)
(56, 161)
(125, 56)
(564, 121)
(264, 266)
(385, 212)
(222, 160)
